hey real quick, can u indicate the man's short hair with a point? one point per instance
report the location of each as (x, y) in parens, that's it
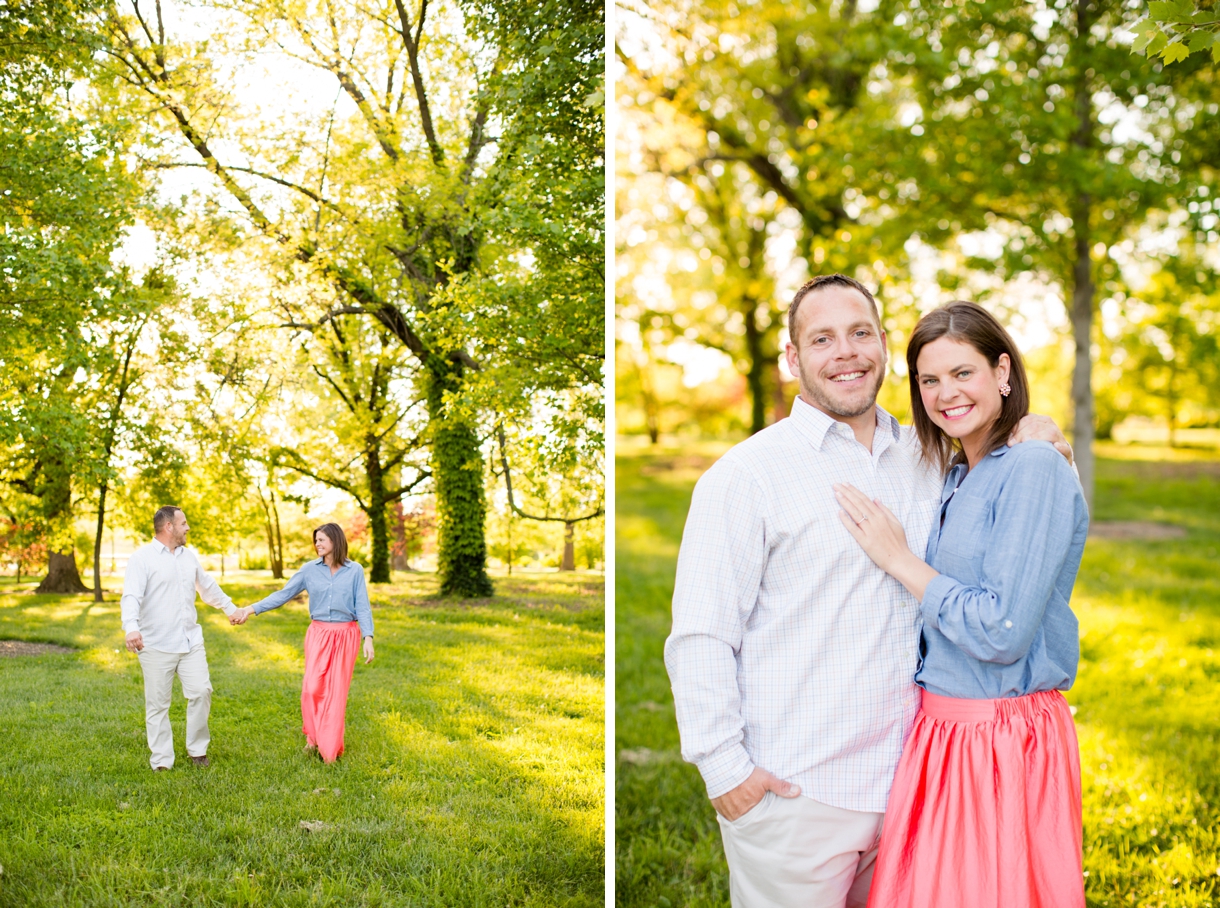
(164, 516)
(821, 282)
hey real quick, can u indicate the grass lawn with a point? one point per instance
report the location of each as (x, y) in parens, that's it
(1147, 698)
(473, 772)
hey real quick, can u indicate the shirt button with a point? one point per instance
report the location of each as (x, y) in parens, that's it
(1008, 624)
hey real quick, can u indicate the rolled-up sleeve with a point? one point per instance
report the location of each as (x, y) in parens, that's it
(720, 565)
(1028, 544)
(360, 597)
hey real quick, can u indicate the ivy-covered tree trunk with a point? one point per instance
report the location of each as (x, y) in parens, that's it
(377, 513)
(457, 475)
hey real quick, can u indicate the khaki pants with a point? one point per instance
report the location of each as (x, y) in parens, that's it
(799, 852)
(192, 670)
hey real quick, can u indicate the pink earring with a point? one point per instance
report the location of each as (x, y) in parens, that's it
(1005, 389)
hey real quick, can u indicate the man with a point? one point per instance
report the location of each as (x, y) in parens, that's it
(158, 614)
(792, 655)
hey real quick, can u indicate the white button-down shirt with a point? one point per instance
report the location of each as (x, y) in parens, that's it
(790, 649)
(159, 597)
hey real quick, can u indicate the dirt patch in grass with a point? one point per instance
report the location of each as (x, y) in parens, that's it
(23, 648)
(1135, 529)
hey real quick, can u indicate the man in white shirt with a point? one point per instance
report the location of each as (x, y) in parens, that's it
(792, 655)
(159, 618)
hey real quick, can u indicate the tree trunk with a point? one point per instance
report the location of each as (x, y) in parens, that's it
(377, 513)
(1173, 399)
(1082, 371)
(652, 416)
(457, 474)
(275, 540)
(97, 543)
(1082, 283)
(569, 547)
(62, 575)
(756, 372)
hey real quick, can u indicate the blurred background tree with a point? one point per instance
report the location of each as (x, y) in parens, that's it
(1014, 154)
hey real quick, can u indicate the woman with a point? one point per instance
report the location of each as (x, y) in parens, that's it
(339, 607)
(986, 805)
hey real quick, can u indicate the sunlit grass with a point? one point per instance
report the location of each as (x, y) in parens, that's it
(473, 773)
(1147, 696)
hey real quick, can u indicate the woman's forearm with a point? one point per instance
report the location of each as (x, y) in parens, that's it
(912, 572)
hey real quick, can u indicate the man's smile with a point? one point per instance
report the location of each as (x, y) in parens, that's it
(847, 376)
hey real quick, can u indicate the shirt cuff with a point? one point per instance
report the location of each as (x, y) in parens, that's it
(939, 589)
(725, 769)
(131, 626)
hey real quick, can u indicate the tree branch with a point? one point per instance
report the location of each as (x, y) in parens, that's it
(508, 485)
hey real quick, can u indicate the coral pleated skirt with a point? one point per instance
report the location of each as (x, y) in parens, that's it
(985, 811)
(330, 658)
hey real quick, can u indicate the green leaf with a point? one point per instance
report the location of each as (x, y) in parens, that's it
(1140, 44)
(1175, 52)
(1216, 52)
(1157, 44)
(1200, 40)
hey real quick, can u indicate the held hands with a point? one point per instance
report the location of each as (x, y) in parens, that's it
(1033, 427)
(743, 798)
(241, 615)
(135, 641)
(368, 650)
(873, 525)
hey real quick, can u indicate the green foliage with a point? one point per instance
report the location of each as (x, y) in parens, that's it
(1175, 29)
(1160, 357)
(1146, 693)
(473, 771)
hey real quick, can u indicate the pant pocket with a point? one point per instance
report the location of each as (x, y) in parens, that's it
(756, 812)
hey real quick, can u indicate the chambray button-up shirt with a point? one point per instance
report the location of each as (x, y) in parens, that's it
(158, 599)
(996, 619)
(338, 597)
(790, 649)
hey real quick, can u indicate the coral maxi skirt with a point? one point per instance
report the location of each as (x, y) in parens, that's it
(985, 811)
(330, 659)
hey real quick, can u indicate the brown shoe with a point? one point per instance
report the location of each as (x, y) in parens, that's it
(201, 761)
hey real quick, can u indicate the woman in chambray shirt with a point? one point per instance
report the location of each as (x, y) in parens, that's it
(986, 804)
(339, 607)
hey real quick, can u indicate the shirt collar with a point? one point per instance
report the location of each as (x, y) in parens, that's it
(814, 424)
(164, 547)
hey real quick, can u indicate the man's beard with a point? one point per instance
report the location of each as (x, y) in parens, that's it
(836, 408)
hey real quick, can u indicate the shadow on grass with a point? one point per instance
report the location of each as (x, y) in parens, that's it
(473, 771)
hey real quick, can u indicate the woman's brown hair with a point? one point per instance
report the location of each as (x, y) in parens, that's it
(967, 323)
(338, 540)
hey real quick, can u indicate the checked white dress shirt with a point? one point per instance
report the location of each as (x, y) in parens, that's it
(790, 649)
(159, 597)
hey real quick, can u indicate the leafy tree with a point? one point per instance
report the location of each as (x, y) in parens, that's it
(1161, 358)
(1031, 122)
(411, 186)
(355, 424)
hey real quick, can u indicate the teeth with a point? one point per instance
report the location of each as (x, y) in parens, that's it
(958, 411)
(847, 376)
